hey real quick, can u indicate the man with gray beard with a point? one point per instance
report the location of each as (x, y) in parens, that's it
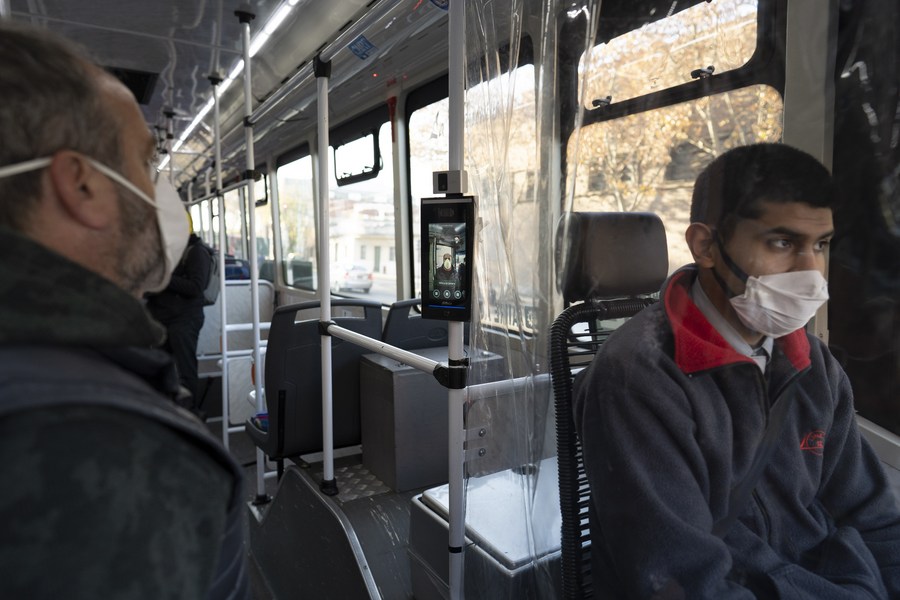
(110, 490)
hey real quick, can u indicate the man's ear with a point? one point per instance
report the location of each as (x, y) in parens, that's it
(83, 192)
(701, 243)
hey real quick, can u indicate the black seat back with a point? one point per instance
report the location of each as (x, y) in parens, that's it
(294, 375)
(608, 263)
(405, 328)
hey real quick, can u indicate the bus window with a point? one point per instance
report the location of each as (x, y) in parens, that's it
(357, 160)
(512, 294)
(265, 246)
(361, 236)
(428, 152)
(296, 202)
(215, 222)
(669, 52)
(235, 226)
(197, 219)
(206, 222)
(511, 286)
(648, 161)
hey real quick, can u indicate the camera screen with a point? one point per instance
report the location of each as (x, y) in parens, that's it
(445, 258)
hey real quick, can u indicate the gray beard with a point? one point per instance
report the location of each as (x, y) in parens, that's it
(141, 263)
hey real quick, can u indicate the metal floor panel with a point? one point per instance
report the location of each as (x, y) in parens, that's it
(379, 517)
(381, 523)
(344, 540)
(305, 546)
(354, 482)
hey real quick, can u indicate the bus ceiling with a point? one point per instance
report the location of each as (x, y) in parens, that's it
(166, 50)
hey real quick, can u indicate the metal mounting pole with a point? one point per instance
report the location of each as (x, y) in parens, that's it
(215, 80)
(322, 71)
(456, 397)
(206, 185)
(245, 18)
(170, 115)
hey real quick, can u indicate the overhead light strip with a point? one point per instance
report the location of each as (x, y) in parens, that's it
(256, 44)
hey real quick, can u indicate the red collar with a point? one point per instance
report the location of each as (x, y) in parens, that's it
(698, 346)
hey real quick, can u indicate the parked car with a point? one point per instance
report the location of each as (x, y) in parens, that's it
(351, 277)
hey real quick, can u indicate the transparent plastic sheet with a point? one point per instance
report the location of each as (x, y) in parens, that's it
(864, 270)
(511, 148)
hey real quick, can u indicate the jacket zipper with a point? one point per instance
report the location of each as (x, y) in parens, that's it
(767, 521)
(767, 409)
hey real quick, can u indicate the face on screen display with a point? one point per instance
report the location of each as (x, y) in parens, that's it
(447, 283)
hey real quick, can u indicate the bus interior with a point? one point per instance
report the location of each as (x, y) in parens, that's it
(302, 136)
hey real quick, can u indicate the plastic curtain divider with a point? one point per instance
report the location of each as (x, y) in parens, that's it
(245, 19)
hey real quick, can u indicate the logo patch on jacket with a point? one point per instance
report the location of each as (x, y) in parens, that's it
(814, 442)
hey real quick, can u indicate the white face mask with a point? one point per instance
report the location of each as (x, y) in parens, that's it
(776, 305)
(171, 217)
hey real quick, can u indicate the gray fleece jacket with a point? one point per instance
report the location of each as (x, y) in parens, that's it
(670, 417)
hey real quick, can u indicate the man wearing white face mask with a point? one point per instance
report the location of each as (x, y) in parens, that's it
(112, 491)
(719, 436)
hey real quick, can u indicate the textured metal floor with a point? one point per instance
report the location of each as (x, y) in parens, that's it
(379, 516)
(354, 482)
(303, 548)
(380, 519)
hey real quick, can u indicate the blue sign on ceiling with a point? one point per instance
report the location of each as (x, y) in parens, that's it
(362, 47)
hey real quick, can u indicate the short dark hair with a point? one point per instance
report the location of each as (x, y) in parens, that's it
(49, 101)
(734, 185)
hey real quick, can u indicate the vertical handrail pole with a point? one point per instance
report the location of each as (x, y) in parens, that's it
(456, 397)
(215, 80)
(322, 71)
(170, 115)
(206, 184)
(245, 17)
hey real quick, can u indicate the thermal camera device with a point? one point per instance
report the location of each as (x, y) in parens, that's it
(447, 253)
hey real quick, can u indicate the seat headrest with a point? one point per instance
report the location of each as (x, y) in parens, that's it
(610, 255)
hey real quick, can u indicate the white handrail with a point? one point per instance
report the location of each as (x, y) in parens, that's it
(414, 360)
(251, 234)
(456, 397)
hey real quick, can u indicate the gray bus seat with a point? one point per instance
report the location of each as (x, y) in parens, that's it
(613, 262)
(209, 344)
(405, 328)
(237, 298)
(293, 386)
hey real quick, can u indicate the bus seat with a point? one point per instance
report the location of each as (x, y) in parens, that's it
(236, 268)
(267, 270)
(614, 261)
(239, 306)
(293, 386)
(406, 329)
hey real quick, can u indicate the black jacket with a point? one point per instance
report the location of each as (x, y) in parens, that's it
(185, 289)
(109, 489)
